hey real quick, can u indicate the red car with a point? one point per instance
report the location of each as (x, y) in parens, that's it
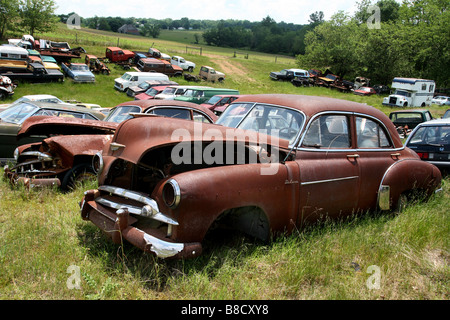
(219, 103)
(365, 91)
(270, 165)
(150, 93)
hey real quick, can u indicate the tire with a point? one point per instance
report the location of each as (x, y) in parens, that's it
(78, 174)
(190, 69)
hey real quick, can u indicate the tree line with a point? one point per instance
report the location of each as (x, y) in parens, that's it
(380, 40)
(28, 15)
(384, 41)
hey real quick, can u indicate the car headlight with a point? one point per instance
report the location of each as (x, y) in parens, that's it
(171, 193)
(97, 163)
(16, 154)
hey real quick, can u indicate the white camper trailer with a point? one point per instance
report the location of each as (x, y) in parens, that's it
(410, 92)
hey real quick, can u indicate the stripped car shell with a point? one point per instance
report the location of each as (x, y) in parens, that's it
(321, 165)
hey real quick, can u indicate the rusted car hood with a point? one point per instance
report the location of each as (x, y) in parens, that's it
(140, 134)
(78, 144)
(47, 125)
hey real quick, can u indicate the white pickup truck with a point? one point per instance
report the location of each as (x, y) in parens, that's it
(181, 62)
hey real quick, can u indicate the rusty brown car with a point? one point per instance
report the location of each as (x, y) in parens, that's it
(67, 158)
(270, 165)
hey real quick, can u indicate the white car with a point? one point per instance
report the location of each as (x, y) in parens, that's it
(440, 100)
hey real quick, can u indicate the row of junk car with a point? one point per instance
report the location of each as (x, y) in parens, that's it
(172, 172)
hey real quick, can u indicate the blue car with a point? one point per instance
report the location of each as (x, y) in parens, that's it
(79, 72)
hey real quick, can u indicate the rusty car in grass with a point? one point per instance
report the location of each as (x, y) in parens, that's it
(270, 165)
(66, 158)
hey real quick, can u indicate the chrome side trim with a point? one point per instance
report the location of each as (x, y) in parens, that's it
(328, 180)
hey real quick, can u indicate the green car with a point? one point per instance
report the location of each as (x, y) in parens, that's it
(12, 118)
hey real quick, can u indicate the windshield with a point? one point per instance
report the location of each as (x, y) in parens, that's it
(151, 92)
(431, 135)
(144, 85)
(276, 121)
(213, 100)
(169, 90)
(403, 93)
(18, 113)
(122, 113)
(126, 76)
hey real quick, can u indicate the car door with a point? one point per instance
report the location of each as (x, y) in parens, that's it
(375, 155)
(329, 168)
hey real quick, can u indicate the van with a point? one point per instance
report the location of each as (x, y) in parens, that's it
(171, 92)
(130, 79)
(202, 94)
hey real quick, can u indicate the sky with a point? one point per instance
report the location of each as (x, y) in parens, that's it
(289, 11)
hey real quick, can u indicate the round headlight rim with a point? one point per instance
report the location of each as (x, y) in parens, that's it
(97, 163)
(175, 188)
(16, 154)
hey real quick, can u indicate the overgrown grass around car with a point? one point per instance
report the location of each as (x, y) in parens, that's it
(44, 243)
(44, 239)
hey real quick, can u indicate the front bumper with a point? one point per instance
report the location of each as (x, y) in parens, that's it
(16, 179)
(117, 220)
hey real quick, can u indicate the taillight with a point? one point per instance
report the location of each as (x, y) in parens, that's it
(423, 155)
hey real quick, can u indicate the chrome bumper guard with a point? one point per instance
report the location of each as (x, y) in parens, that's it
(149, 209)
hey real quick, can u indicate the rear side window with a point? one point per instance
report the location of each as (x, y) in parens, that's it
(370, 134)
(328, 132)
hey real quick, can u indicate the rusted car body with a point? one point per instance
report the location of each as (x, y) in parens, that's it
(271, 164)
(67, 158)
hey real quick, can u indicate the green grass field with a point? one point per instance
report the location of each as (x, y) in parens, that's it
(45, 243)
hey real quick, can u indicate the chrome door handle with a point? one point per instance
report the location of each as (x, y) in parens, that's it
(353, 156)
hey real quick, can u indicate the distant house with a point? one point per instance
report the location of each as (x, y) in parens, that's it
(129, 29)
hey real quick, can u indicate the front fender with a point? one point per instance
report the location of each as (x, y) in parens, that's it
(407, 175)
(207, 193)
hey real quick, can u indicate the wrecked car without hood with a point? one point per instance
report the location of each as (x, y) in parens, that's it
(67, 158)
(263, 169)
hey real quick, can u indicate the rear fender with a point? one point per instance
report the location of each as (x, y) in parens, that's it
(404, 176)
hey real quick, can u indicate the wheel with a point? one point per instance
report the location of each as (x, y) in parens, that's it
(190, 69)
(2, 95)
(405, 104)
(77, 175)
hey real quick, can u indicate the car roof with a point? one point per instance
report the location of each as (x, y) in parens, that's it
(144, 104)
(60, 106)
(411, 110)
(436, 122)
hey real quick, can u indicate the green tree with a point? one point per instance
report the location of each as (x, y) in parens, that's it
(9, 11)
(332, 45)
(151, 30)
(38, 15)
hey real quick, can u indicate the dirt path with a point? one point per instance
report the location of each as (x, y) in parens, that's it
(230, 66)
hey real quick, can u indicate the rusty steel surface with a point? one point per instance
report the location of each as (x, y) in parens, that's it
(46, 125)
(167, 207)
